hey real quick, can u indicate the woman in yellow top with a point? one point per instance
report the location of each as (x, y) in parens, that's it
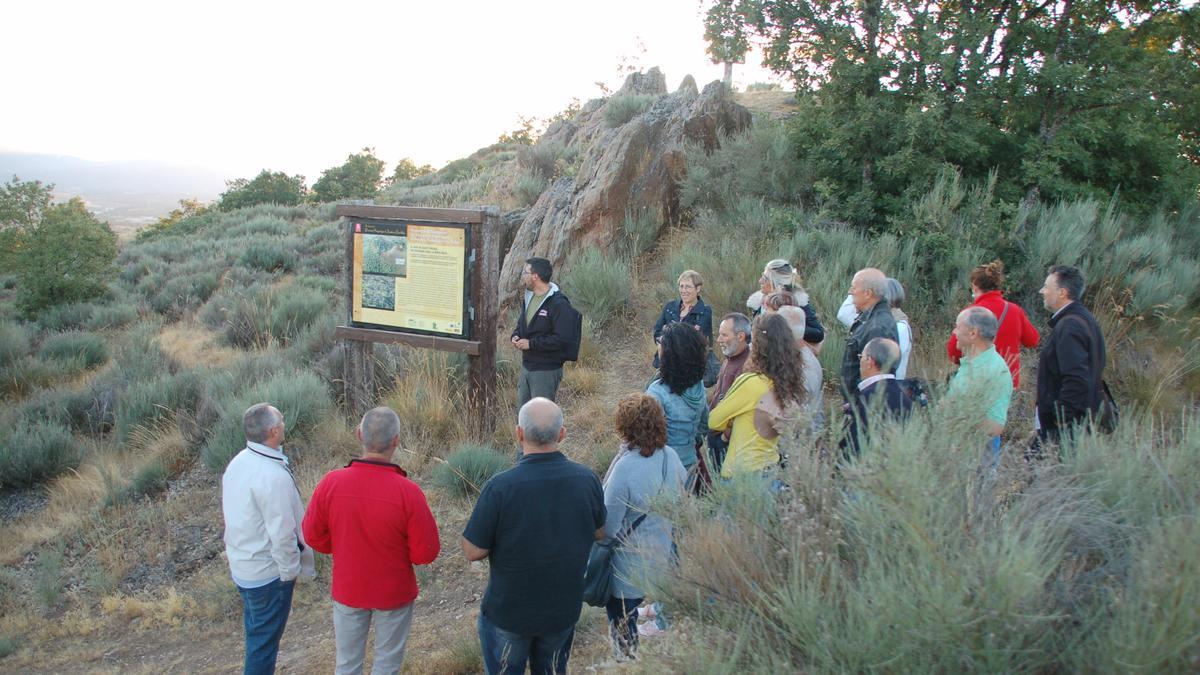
(774, 365)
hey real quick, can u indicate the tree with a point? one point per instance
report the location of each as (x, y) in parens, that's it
(406, 169)
(68, 257)
(727, 28)
(23, 202)
(357, 178)
(1062, 99)
(188, 208)
(268, 187)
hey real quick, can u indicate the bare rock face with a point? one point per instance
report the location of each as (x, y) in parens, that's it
(632, 168)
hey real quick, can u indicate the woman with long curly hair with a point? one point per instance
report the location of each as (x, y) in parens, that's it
(646, 469)
(775, 365)
(679, 389)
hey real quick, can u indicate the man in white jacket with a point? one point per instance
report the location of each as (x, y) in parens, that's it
(263, 542)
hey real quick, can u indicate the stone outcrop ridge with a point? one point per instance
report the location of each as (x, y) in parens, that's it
(632, 168)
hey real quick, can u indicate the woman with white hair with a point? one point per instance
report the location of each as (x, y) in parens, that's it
(780, 276)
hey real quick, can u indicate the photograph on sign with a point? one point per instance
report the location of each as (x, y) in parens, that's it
(410, 276)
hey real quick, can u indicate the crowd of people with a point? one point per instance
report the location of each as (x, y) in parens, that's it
(701, 419)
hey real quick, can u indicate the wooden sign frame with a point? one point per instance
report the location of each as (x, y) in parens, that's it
(483, 303)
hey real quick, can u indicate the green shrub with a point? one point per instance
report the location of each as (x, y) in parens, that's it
(620, 109)
(87, 348)
(300, 396)
(33, 453)
(546, 160)
(146, 402)
(599, 285)
(763, 86)
(911, 560)
(271, 255)
(27, 374)
(464, 472)
(760, 163)
(66, 317)
(639, 231)
(111, 316)
(67, 258)
(179, 293)
(528, 187)
(14, 342)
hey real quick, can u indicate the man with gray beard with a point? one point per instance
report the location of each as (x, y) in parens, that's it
(733, 338)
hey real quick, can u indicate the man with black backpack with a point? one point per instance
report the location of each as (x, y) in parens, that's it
(548, 333)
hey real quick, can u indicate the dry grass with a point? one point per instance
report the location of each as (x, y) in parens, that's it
(191, 345)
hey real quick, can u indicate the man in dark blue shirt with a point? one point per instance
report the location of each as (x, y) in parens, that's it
(535, 523)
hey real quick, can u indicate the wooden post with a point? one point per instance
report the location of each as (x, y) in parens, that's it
(481, 372)
(358, 369)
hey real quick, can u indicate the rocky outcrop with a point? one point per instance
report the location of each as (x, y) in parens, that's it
(635, 167)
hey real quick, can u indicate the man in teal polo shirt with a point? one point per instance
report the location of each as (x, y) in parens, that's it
(982, 376)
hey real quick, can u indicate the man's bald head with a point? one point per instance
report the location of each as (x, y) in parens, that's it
(867, 288)
(540, 425)
(880, 355)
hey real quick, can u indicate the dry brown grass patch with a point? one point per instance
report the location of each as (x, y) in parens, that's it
(191, 345)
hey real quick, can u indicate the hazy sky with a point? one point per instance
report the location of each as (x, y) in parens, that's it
(297, 86)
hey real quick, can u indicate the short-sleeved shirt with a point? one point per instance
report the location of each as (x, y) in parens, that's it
(988, 378)
(538, 520)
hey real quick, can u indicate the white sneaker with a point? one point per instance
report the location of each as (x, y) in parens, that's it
(646, 612)
(650, 629)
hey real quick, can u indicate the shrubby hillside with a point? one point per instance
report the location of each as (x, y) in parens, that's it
(121, 407)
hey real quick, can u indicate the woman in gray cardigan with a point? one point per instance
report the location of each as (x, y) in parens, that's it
(638, 478)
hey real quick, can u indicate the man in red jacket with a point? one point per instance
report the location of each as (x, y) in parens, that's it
(377, 525)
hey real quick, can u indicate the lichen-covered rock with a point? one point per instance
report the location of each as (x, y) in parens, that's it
(629, 169)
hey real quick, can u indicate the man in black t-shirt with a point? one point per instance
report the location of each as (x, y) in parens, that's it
(535, 523)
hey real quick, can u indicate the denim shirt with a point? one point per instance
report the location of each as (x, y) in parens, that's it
(687, 418)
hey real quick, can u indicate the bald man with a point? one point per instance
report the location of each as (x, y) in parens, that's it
(867, 290)
(535, 523)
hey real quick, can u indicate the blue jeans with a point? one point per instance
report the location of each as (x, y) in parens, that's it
(265, 613)
(507, 653)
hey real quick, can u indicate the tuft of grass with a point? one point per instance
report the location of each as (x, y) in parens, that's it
(34, 452)
(149, 480)
(147, 402)
(49, 582)
(111, 316)
(599, 284)
(464, 471)
(528, 187)
(620, 109)
(66, 317)
(88, 349)
(14, 342)
(272, 255)
(429, 397)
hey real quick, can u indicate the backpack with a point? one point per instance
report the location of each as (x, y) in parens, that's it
(915, 389)
(574, 334)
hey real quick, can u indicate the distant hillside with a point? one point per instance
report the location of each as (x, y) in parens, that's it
(127, 194)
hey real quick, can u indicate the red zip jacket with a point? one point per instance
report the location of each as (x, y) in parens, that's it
(377, 525)
(1014, 333)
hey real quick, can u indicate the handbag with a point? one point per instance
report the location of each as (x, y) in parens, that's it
(598, 575)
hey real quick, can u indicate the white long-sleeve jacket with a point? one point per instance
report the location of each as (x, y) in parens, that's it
(262, 509)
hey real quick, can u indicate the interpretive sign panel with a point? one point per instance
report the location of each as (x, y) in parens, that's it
(411, 276)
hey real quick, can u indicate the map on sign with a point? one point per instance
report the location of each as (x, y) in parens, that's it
(410, 276)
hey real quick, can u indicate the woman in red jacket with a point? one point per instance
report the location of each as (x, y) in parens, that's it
(1015, 329)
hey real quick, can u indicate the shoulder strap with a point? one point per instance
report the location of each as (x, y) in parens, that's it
(1003, 314)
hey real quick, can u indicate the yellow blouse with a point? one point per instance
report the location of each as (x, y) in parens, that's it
(748, 452)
